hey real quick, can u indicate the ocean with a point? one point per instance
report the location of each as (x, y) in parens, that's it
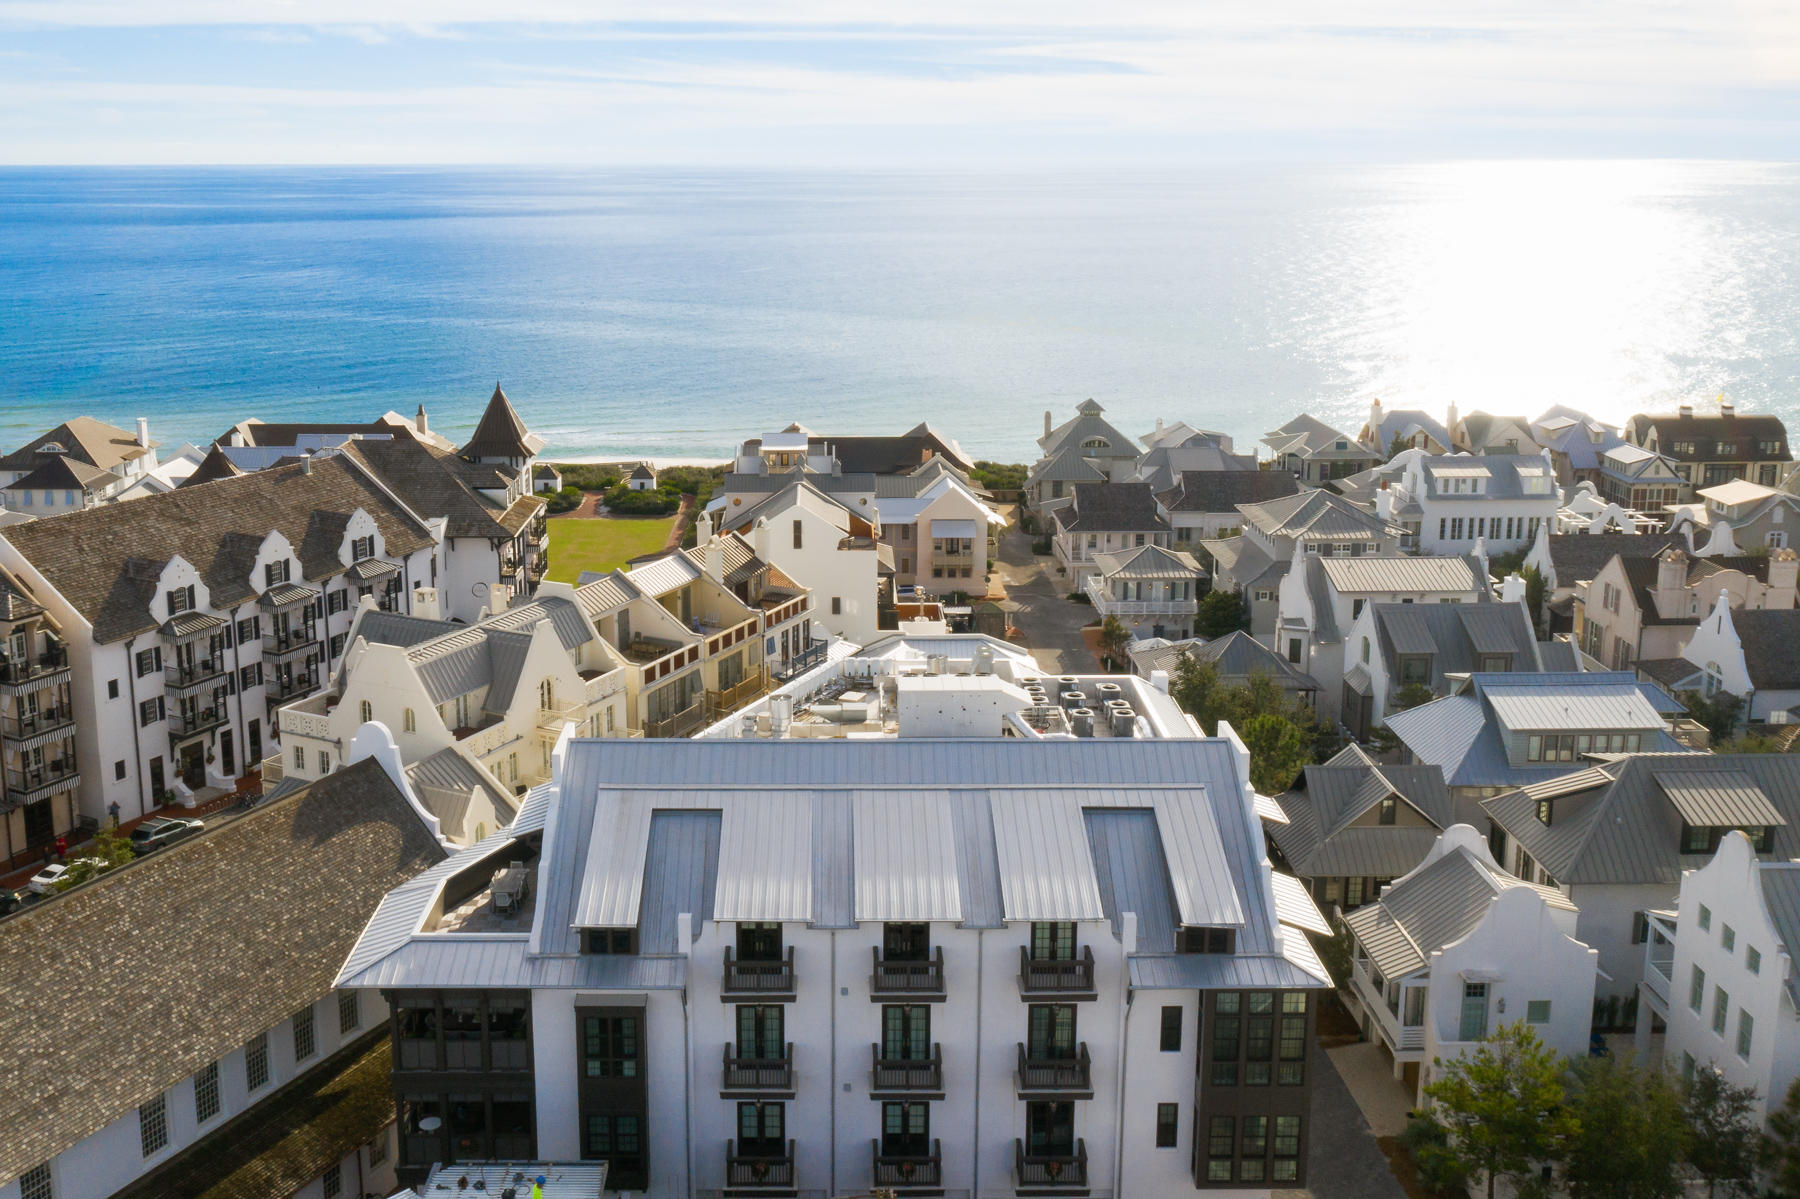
(667, 312)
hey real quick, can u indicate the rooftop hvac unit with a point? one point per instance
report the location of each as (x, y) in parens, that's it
(1073, 699)
(781, 714)
(936, 663)
(1123, 721)
(1111, 691)
(747, 726)
(1082, 721)
(984, 659)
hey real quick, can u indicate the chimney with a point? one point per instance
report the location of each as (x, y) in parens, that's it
(237, 439)
(1375, 420)
(1512, 589)
(306, 464)
(703, 526)
(759, 538)
(1450, 420)
(1684, 410)
(714, 556)
(1384, 502)
(1046, 422)
(1726, 407)
(1784, 572)
(419, 421)
(1159, 426)
(144, 431)
(1671, 572)
(426, 603)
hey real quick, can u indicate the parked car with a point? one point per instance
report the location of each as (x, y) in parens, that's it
(159, 831)
(9, 901)
(45, 880)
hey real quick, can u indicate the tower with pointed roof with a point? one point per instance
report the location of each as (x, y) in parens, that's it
(501, 437)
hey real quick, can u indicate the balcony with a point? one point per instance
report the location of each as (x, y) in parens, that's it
(756, 1172)
(1050, 1173)
(185, 724)
(537, 531)
(907, 1078)
(1659, 956)
(680, 724)
(729, 699)
(902, 980)
(551, 720)
(285, 687)
(1055, 1077)
(908, 1172)
(749, 980)
(281, 642)
(29, 786)
(44, 720)
(758, 1077)
(16, 672)
(1043, 978)
(801, 662)
(178, 674)
(1408, 1039)
(1107, 604)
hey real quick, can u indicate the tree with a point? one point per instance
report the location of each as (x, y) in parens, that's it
(1502, 1105)
(1535, 592)
(109, 848)
(1778, 1149)
(1411, 696)
(1278, 752)
(1222, 613)
(1114, 637)
(1722, 1132)
(1631, 1137)
(1719, 713)
(1398, 446)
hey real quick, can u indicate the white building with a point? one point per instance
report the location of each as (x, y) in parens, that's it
(1448, 505)
(177, 1050)
(79, 464)
(820, 544)
(978, 967)
(191, 616)
(1459, 947)
(1752, 653)
(1153, 591)
(1719, 971)
(1087, 448)
(1390, 647)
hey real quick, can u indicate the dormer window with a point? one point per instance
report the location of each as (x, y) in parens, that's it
(1389, 810)
(1205, 940)
(362, 547)
(275, 572)
(618, 941)
(181, 599)
(1705, 838)
(1415, 668)
(1546, 808)
(1496, 663)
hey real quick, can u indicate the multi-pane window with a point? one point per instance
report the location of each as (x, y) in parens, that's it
(362, 547)
(336, 601)
(365, 711)
(249, 629)
(906, 1032)
(206, 1093)
(1697, 990)
(1168, 1116)
(762, 1128)
(1227, 1039)
(306, 1034)
(275, 572)
(35, 1183)
(1171, 1029)
(1259, 1036)
(1287, 1149)
(1705, 918)
(614, 1137)
(299, 757)
(333, 1181)
(1291, 1071)
(149, 660)
(1752, 959)
(1205, 940)
(153, 1125)
(150, 710)
(761, 1034)
(1254, 1149)
(1053, 942)
(349, 1011)
(1051, 1032)
(1746, 1028)
(256, 1062)
(181, 599)
(1727, 938)
(1721, 1007)
(1537, 1011)
(1221, 1143)
(610, 1046)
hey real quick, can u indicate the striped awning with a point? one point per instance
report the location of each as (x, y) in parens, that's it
(370, 569)
(286, 595)
(51, 736)
(190, 624)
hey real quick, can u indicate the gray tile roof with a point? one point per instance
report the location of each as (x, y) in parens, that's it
(1456, 636)
(1316, 515)
(275, 898)
(1111, 508)
(1224, 490)
(500, 433)
(1771, 641)
(63, 472)
(1404, 422)
(105, 560)
(434, 482)
(1740, 431)
(1628, 830)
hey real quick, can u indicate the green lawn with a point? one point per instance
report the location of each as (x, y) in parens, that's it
(579, 543)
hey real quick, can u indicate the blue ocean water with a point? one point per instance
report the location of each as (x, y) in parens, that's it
(670, 312)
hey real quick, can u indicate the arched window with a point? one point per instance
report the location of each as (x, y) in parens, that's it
(408, 722)
(547, 694)
(1096, 443)
(365, 711)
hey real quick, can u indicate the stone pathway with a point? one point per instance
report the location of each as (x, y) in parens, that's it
(1343, 1160)
(1037, 604)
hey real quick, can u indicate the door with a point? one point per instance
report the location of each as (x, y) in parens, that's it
(759, 942)
(1474, 1012)
(762, 1130)
(1052, 1032)
(905, 1129)
(157, 783)
(906, 942)
(193, 765)
(760, 1032)
(255, 740)
(1050, 1129)
(40, 823)
(227, 760)
(906, 1032)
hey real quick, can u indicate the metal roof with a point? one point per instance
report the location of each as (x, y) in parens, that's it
(606, 594)
(681, 867)
(905, 854)
(1622, 706)
(977, 861)
(1295, 906)
(1219, 971)
(1401, 574)
(1718, 798)
(369, 569)
(663, 575)
(284, 595)
(834, 861)
(1045, 870)
(1425, 911)
(768, 873)
(1129, 869)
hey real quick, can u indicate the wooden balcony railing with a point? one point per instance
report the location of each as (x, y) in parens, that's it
(757, 978)
(901, 1075)
(894, 979)
(1071, 978)
(1069, 1077)
(747, 1075)
(22, 670)
(1050, 1170)
(729, 699)
(757, 1170)
(902, 1170)
(680, 724)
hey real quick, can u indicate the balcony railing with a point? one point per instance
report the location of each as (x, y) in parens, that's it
(757, 978)
(731, 698)
(803, 661)
(1400, 1037)
(280, 687)
(1067, 1077)
(43, 720)
(753, 1171)
(894, 979)
(1069, 978)
(182, 724)
(758, 1075)
(283, 641)
(186, 674)
(1050, 1171)
(898, 1171)
(25, 786)
(551, 720)
(680, 724)
(906, 1076)
(14, 671)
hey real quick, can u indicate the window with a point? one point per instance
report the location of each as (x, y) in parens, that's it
(251, 675)
(1697, 990)
(153, 1125)
(1050, 1031)
(1746, 1030)
(275, 572)
(837, 605)
(1705, 918)
(1291, 1071)
(1227, 1038)
(337, 645)
(256, 1063)
(249, 629)
(1259, 1037)
(337, 601)
(1287, 1149)
(1537, 1011)
(206, 1093)
(1389, 810)
(119, 769)
(1221, 1138)
(1167, 1117)
(1053, 942)
(1171, 1029)
(333, 1181)
(609, 1046)
(1727, 938)
(365, 711)
(762, 1129)
(181, 599)
(1205, 940)
(1721, 1009)
(306, 1040)
(112, 688)
(1546, 808)
(324, 762)
(1293, 654)
(408, 722)
(362, 547)
(349, 1011)
(797, 534)
(149, 661)
(1254, 1148)
(35, 1183)
(299, 757)
(150, 711)
(609, 941)
(1752, 959)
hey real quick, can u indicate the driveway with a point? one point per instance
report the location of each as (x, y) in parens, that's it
(1037, 604)
(1342, 1160)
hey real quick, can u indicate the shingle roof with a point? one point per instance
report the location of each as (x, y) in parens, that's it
(215, 466)
(1224, 490)
(274, 898)
(94, 442)
(500, 433)
(1578, 557)
(1112, 507)
(435, 482)
(1771, 641)
(63, 472)
(1707, 431)
(105, 560)
(15, 604)
(1317, 515)
(1163, 466)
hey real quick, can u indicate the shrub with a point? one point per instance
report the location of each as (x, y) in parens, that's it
(588, 476)
(999, 476)
(566, 500)
(658, 502)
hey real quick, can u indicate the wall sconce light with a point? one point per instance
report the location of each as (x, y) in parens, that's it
(1503, 1005)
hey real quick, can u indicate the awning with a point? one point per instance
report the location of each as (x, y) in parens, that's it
(1719, 799)
(191, 624)
(370, 569)
(953, 528)
(286, 595)
(61, 732)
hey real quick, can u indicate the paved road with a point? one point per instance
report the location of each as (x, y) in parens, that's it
(1342, 1161)
(1037, 598)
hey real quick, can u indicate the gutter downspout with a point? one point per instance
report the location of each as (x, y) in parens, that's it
(237, 691)
(684, 941)
(131, 688)
(980, 990)
(1128, 941)
(834, 1078)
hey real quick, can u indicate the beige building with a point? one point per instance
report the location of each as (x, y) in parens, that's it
(1636, 608)
(37, 729)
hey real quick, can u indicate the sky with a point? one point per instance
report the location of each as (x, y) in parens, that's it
(928, 82)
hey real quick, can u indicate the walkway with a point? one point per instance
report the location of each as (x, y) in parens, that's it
(1343, 1160)
(1037, 604)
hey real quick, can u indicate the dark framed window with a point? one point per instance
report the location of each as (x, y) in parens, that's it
(1051, 1031)
(759, 942)
(1221, 1147)
(1253, 1149)
(906, 1129)
(614, 1137)
(306, 1038)
(906, 942)
(1290, 1071)
(1053, 941)
(35, 1183)
(256, 1062)
(761, 1031)
(906, 1032)
(762, 1129)
(1206, 940)
(1287, 1149)
(149, 661)
(206, 1093)
(1050, 1128)
(1171, 1029)
(275, 572)
(1168, 1116)
(1389, 811)
(1227, 1038)
(610, 1046)
(349, 1011)
(609, 940)
(1259, 1037)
